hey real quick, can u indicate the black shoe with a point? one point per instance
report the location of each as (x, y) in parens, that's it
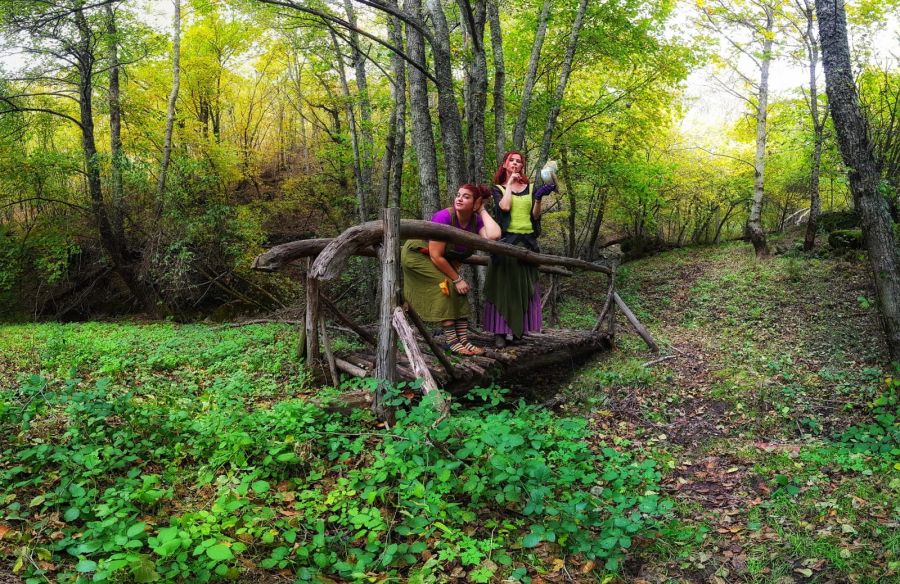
(499, 341)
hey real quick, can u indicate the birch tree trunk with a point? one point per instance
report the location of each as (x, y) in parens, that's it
(863, 169)
(530, 76)
(366, 143)
(754, 222)
(499, 80)
(561, 86)
(448, 111)
(422, 137)
(170, 108)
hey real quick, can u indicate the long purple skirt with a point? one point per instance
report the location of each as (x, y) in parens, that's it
(493, 321)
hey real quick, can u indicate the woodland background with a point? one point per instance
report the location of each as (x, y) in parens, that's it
(142, 170)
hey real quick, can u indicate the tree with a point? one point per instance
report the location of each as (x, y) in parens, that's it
(863, 168)
(807, 33)
(65, 36)
(170, 108)
(756, 18)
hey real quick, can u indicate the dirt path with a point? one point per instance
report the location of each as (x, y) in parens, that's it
(737, 337)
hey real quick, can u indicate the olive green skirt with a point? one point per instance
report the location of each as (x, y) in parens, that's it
(421, 286)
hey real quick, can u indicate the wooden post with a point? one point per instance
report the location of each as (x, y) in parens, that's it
(386, 351)
(313, 354)
(416, 359)
(332, 367)
(607, 306)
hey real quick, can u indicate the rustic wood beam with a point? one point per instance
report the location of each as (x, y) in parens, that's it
(329, 356)
(417, 360)
(275, 258)
(333, 257)
(386, 350)
(360, 331)
(429, 340)
(608, 303)
(638, 327)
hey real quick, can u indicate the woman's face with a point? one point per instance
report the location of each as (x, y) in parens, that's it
(464, 201)
(514, 164)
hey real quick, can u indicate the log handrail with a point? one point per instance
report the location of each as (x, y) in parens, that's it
(276, 257)
(333, 256)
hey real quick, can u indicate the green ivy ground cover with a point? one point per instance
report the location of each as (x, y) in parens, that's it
(158, 452)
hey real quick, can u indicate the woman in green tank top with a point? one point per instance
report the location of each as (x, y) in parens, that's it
(512, 295)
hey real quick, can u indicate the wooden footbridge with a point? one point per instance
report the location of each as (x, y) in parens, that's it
(327, 258)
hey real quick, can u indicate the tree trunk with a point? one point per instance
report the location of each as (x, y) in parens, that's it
(448, 110)
(366, 143)
(115, 127)
(112, 244)
(561, 86)
(170, 108)
(863, 170)
(573, 203)
(815, 201)
(476, 96)
(754, 223)
(361, 198)
(422, 136)
(595, 230)
(395, 143)
(499, 80)
(530, 77)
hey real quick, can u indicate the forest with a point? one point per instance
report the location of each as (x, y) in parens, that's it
(719, 251)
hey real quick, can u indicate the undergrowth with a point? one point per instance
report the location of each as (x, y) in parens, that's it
(187, 461)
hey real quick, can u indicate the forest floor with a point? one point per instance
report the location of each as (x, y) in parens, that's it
(760, 407)
(760, 445)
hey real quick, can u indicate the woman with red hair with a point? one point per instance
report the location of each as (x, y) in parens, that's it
(432, 283)
(512, 296)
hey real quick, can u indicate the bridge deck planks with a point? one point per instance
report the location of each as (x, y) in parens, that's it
(552, 347)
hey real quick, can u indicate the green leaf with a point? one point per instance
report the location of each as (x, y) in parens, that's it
(86, 566)
(136, 529)
(531, 540)
(71, 514)
(219, 552)
(260, 487)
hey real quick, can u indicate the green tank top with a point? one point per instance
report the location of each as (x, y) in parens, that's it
(520, 213)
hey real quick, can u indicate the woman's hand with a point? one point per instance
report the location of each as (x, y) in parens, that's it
(514, 178)
(462, 287)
